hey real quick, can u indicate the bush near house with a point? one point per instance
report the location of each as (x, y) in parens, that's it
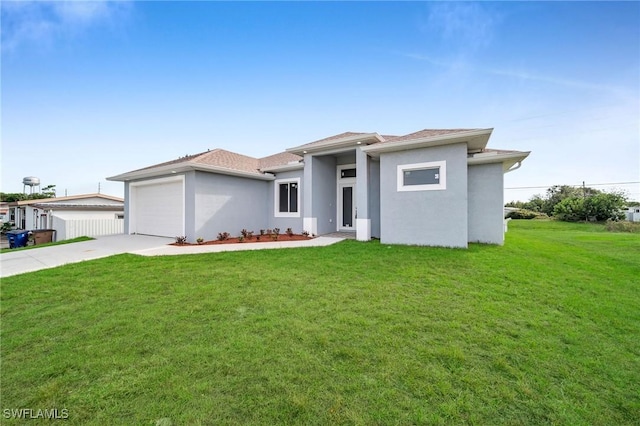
(526, 214)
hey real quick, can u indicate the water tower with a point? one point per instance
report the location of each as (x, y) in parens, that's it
(30, 181)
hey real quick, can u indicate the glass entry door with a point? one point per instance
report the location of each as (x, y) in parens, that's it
(347, 208)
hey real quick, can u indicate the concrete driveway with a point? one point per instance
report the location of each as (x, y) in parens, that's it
(19, 262)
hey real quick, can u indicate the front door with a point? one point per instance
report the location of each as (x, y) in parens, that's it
(346, 207)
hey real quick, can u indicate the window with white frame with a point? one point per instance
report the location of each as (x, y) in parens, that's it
(287, 198)
(430, 176)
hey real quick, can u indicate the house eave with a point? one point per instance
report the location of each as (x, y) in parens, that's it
(337, 145)
(102, 207)
(476, 140)
(507, 159)
(66, 198)
(185, 167)
(284, 168)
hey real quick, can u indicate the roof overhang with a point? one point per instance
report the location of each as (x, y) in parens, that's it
(337, 145)
(508, 159)
(298, 165)
(476, 140)
(105, 207)
(66, 198)
(187, 166)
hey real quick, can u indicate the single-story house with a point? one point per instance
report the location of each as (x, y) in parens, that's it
(432, 187)
(97, 214)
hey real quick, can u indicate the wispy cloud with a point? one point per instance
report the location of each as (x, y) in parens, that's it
(43, 22)
(469, 24)
(454, 66)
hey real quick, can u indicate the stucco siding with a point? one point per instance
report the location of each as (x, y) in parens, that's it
(346, 158)
(323, 204)
(228, 204)
(295, 223)
(190, 189)
(374, 197)
(486, 201)
(433, 218)
(127, 207)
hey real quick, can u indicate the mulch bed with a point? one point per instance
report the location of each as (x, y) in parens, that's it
(254, 239)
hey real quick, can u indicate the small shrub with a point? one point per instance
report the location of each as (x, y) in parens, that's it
(269, 231)
(276, 231)
(223, 236)
(526, 214)
(200, 240)
(181, 240)
(289, 232)
(246, 234)
(305, 233)
(258, 237)
(262, 232)
(622, 226)
(241, 239)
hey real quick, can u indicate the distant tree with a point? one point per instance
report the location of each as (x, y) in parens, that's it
(10, 197)
(535, 204)
(599, 207)
(48, 191)
(557, 193)
(570, 209)
(605, 206)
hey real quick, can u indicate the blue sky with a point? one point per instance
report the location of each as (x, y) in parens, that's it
(94, 89)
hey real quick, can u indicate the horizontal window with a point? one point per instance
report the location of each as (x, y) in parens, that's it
(348, 173)
(429, 176)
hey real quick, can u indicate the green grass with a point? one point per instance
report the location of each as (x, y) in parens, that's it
(544, 330)
(57, 243)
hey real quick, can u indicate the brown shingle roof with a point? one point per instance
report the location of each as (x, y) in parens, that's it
(278, 160)
(228, 160)
(426, 133)
(176, 161)
(231, 160)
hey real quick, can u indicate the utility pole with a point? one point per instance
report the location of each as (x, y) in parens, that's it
(99, 187)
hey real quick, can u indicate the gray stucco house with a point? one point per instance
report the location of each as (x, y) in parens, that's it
(432, 187)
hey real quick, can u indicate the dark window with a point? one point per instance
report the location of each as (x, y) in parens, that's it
(288, 198)
(422, 176)
(348, 173)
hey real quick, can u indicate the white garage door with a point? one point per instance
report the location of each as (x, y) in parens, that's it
(158, 208)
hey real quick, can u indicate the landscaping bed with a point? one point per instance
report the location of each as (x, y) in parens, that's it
(254, 239)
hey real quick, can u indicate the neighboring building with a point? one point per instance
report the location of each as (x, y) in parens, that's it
(4, 212)
(633, 214)
(432, 187)
(94, 214)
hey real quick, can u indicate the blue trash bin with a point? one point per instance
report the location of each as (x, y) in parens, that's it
(17, 238)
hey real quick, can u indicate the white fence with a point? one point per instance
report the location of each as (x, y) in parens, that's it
(72, 228)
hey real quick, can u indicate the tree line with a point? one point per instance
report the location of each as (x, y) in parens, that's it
(48, 191)
(573, 204)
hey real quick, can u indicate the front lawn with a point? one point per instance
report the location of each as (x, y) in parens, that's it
(544, 330)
